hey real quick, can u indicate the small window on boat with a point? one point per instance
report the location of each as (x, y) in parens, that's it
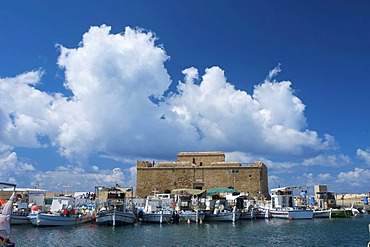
(198, 187)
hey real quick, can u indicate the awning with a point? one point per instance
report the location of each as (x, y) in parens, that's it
(187, 192)
(215, 191)
(116, 189)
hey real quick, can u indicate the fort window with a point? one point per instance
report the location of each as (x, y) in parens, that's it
(200, 163)
(193, 160)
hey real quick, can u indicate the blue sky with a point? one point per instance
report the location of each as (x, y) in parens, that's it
(88, 88)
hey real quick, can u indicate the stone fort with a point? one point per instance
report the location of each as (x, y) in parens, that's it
(201, 170)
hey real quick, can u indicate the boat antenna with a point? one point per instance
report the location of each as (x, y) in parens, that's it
(37, 185)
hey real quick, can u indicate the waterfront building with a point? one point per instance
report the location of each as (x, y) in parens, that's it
(201, 170)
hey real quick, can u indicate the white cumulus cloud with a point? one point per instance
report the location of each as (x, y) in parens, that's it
(11, 167)
(24, 111)
(120, 107)
(355, 179)
(333, 160)
(80, 179)
(364, 155)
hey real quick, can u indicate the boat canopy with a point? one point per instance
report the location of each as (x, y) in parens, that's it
(117, 189)
(215, 191)
(8, 184)
(289, 188)
(187, 192)
(24, 190)
(325, 193)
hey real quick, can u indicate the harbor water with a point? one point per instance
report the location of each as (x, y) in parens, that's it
(273, 232)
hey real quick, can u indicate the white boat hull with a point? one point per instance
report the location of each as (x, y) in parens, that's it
(157, 217)
(223, 216)
(115, 218)
(192, 216)
(260, 214)
(246, 216)
(322, 214)
(42, 219)
(295, 214)
(20, 219)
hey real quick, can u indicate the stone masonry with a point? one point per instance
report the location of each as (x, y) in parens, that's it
(201, 170)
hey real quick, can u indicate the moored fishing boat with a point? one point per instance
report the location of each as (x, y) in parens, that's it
(20, 218)
(259, 213)
(155, 212)
(322, 213)
(224, 215)
(189, 204)
(291, 214)
(245, 204)
(24, 199)
(58, 219)
(219, 208)
(221, 211)
(112, 208)
(282, 204)
(5, 218)
(356, 212)
(325, 204)
(162, 216)
(341, 213)
(247, 215)
(192, 216)
(62, 213)
(327, 207)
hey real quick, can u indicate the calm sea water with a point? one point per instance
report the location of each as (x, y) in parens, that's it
(273, 232)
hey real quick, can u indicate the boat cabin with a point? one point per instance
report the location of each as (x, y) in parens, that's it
(108, 198)
(189, 199)
(163, 196)
(284, 197)
(60, 203)
(153, 204)
(25, 197)
(326, 200)
(281, 198)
